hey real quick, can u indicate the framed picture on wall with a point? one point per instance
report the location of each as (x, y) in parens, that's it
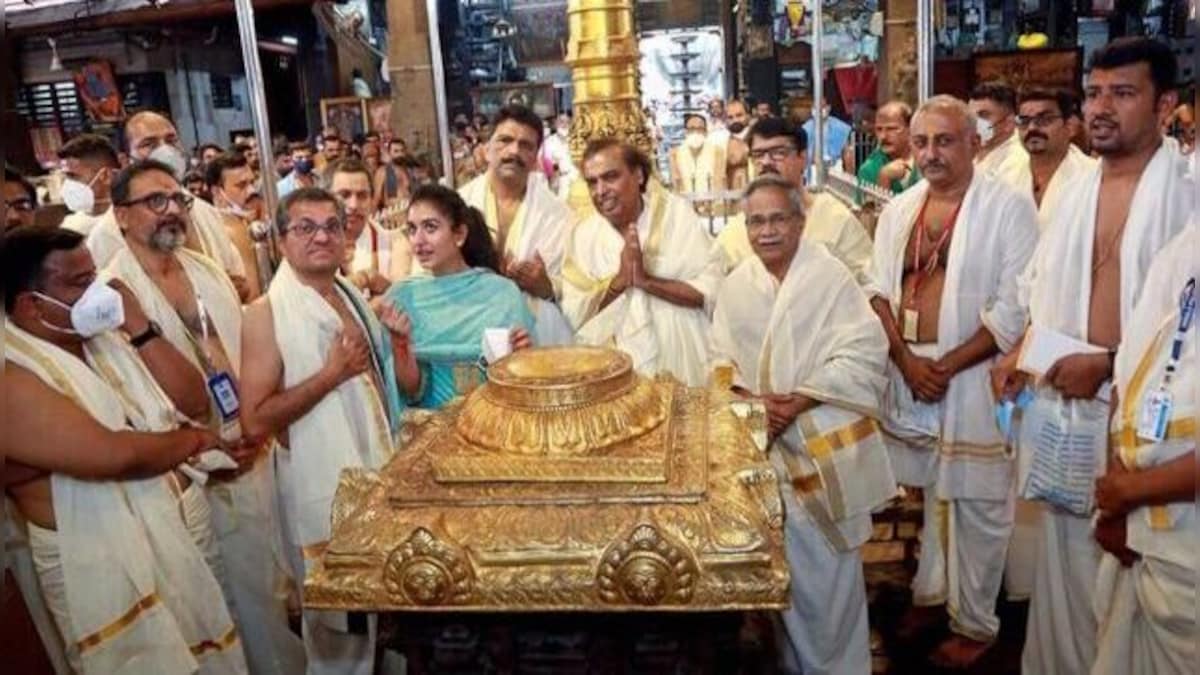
(540, 98)
(347, 114)
(379, 115)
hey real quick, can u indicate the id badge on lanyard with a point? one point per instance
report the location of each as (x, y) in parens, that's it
(1155, 414)
(220, 384)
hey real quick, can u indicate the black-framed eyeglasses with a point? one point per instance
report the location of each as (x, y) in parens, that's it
(158, 201)
(308, 228)
(1041, 121)
(777, 154)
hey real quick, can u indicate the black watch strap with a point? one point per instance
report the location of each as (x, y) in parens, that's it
(152, 331)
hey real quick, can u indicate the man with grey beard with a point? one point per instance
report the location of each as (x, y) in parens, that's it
(192, 304)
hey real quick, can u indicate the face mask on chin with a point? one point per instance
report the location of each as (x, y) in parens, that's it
(99, 309)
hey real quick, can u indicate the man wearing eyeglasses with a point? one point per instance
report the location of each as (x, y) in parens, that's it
(805, 343)
(152, 136)
(777, 148)
(192, 303)
(1000, 153)
(318, 374)
(1053, 159)
(20, 199)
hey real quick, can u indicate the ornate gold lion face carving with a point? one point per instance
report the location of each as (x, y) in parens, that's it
(425, 583)
(645, 580)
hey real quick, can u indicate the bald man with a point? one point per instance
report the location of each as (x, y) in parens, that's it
(152, 136)
(947, 255)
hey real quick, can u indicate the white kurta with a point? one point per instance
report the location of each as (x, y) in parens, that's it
(542, 225)
(1147, 613)
(1007, 162)
(963, 464)
(245, 513)
(1059, 290)
(815, 334)
(658, 335)
(827, 221)
(126, 583)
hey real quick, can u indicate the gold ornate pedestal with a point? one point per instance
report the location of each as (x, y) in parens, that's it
(566, 482)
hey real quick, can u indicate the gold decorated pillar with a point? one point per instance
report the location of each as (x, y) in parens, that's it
(602, 52)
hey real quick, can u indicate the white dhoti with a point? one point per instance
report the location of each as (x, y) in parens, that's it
(1061, 632)
(350, 427)
(245, 519)
(826, 626)
(953, 449)
(1023, 550)
(814, 334)
(1060, 637)
(19, 560)
(127, 585)
(256, 585)
(1147, 613)
(1148, 618)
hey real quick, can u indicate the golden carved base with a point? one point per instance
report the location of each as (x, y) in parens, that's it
(707, 537)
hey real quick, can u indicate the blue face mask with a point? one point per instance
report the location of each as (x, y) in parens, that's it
(303, 166)
(1006, 409)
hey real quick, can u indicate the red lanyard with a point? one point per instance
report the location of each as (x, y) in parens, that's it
(937, 249)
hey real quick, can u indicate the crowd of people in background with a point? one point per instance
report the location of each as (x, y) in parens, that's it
(154, 322)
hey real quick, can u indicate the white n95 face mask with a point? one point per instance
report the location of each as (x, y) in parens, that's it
(78, 196)
(172, 157)
(99, 309)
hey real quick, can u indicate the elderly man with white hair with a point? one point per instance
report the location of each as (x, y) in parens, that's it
(948, 252)
(803, 340)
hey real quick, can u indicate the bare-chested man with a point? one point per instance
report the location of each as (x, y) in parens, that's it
(152, 136)
(948, 252)
(318, 373)
(90, 468)
(1087, 275)
(198, 310)
(1042, 115)
(528, 223)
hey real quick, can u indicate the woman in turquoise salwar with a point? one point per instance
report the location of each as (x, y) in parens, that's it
(437, 322)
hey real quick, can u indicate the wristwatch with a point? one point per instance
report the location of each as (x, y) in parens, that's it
(152, 331)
